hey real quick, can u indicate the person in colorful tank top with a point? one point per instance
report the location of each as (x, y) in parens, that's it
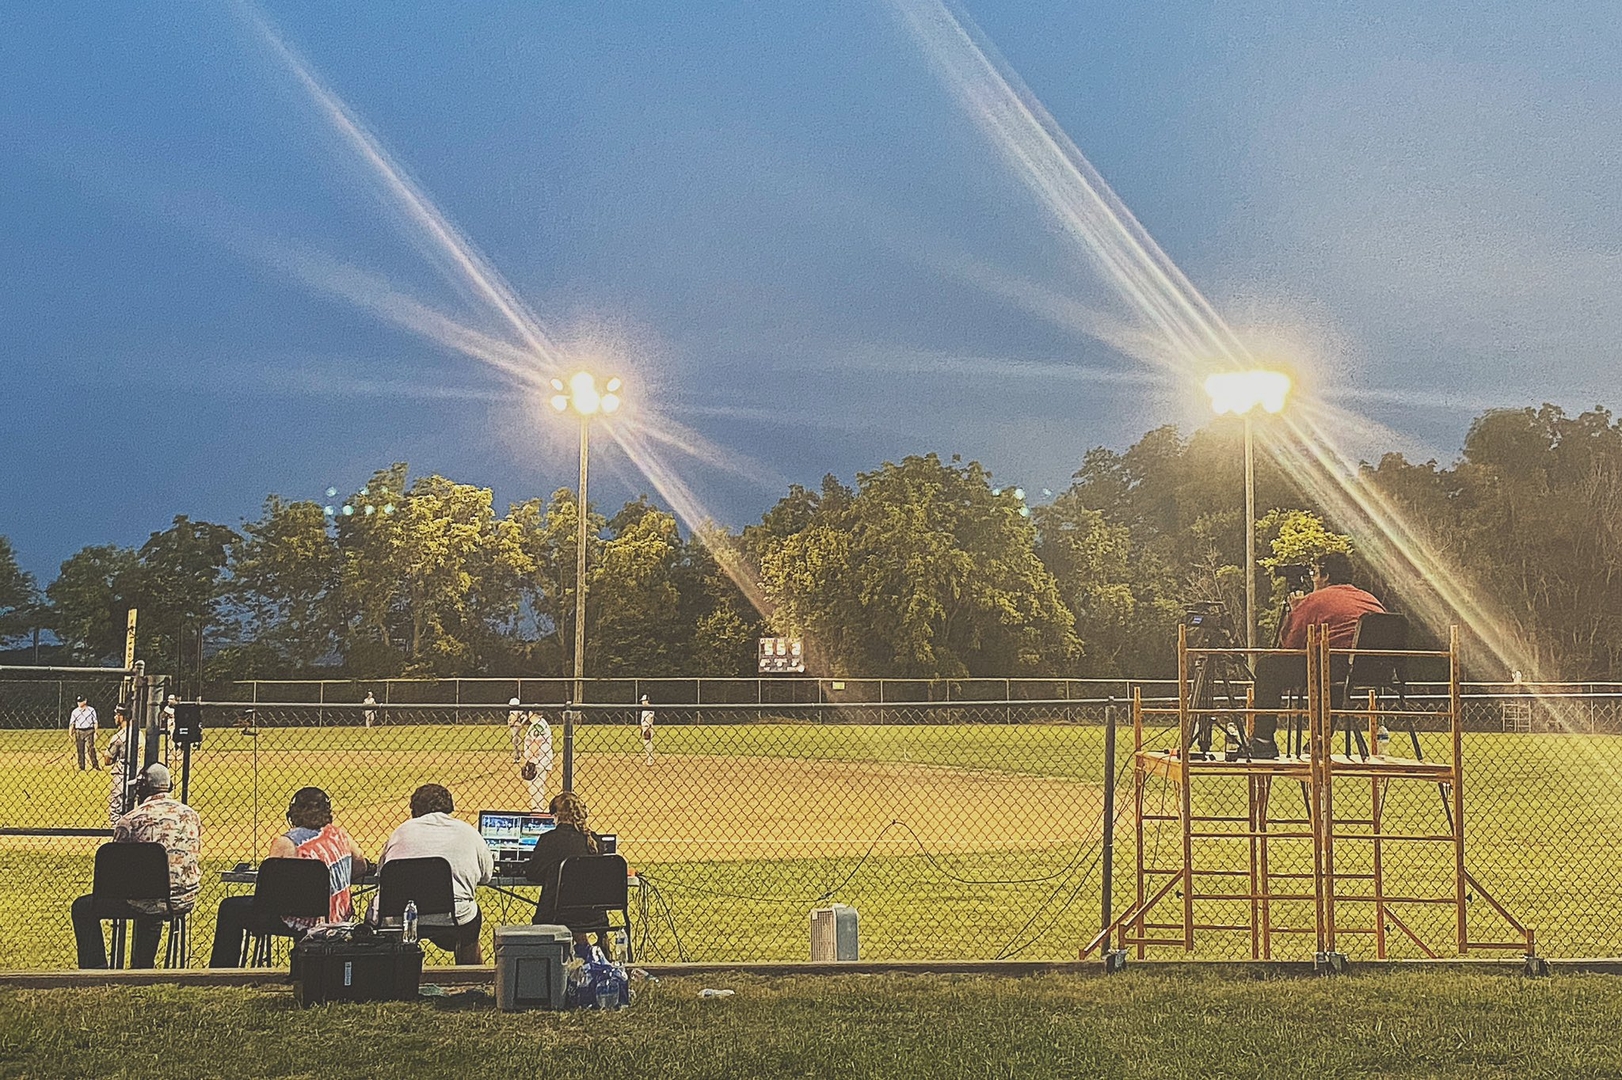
(312, 835)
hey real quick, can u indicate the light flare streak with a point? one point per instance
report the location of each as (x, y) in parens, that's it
(532, 366)
(472, 268)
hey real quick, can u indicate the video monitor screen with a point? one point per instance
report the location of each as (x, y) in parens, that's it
(514, 828)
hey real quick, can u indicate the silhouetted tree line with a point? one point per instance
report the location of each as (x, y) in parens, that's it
(923, 568)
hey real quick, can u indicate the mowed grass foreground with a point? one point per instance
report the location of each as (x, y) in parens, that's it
(953, 841)
(1141, 1024)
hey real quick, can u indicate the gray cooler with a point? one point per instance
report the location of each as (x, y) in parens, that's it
(530, 963)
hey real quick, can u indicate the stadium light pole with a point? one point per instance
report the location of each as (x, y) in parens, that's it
(581, 396)
(1241, 392)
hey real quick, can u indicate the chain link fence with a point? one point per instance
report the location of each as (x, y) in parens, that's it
(959, 829)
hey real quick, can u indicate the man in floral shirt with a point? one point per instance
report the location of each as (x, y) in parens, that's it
(159, 818)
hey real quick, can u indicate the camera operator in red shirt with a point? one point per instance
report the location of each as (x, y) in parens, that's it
(1333, 602)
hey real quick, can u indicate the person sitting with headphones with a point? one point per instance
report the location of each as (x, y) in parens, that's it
(1335, 603)
(312, 835)
(158, 818)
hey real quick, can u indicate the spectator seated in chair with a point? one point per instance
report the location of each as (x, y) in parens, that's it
(571, 839)
(313, 835)
(1333, 602)
(161, 819)
(433, 832)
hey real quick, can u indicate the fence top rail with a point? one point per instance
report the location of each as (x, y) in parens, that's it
(787, 706)
(29, 669)
(622, 706)
(1017, 680)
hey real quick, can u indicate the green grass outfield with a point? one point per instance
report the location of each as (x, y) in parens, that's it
(953, 841)
(1141, 1024)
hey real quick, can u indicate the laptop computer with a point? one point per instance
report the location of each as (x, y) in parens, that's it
(511, 834)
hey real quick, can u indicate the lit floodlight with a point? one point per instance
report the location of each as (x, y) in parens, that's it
(582, 396)
(1238, 392)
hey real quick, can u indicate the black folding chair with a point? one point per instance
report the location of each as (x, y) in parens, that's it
(126, 872)
(1383, 631)
(589, 888)
(427, 881)
(284, 888)
(1379, 631)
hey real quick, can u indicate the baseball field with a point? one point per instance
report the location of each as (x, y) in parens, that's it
(952, 841)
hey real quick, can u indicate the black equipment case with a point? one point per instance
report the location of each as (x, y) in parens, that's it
(378, 969)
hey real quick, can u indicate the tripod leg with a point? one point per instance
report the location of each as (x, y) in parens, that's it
(1199, 702)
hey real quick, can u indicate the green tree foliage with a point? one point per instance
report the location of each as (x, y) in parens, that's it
(94, 589)
(284, 581)
(548, 536)
(19, 597)
(180, 591)
(1531, 518)
(632, 597)
(924, 572)
(429, 580)
(1125, 599)
(921, 569)
(724, 625)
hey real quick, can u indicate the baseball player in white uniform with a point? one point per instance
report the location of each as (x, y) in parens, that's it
(537, 766)
(647, 728)
(517, 725)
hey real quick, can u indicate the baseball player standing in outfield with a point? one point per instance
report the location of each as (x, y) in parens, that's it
(83, 725)
(515, 728)
(537, 760)
(647, 728)
(370, 705)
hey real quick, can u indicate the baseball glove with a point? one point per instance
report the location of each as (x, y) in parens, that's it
(528, 772)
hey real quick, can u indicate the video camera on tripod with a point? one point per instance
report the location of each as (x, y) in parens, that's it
(1208, 628)
(1297, 578)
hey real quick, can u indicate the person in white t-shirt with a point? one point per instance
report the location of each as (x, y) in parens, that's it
(433, 832)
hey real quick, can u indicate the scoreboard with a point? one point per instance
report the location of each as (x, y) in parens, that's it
(781, 656)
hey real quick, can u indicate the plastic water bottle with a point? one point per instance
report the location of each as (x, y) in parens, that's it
(1382, 742)
(410, 932)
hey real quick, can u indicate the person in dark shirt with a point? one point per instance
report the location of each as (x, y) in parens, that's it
(571, 839)
(1333, 602)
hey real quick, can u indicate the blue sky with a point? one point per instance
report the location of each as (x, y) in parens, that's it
(778, 225)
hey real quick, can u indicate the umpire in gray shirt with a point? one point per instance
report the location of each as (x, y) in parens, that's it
(83, 725)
